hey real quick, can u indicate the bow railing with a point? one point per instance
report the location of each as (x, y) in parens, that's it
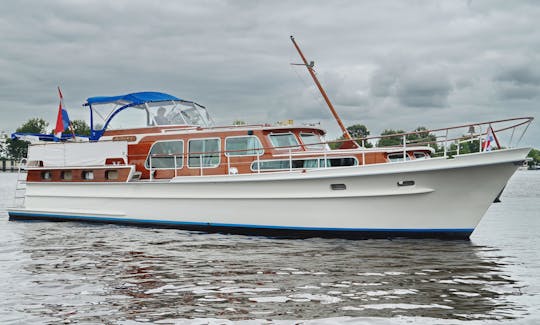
(445, 142)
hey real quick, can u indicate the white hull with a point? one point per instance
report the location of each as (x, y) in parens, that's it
(448, 199)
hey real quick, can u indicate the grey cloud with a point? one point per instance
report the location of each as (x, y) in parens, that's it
(401, 58)
(526, 74)
(519, 81)
(412, 86)
(424, 88)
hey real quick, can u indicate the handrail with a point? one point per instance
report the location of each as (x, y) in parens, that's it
(298, 147)
(298, 150)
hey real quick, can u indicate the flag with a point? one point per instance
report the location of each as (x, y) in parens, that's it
(488, 140)
(62, 120)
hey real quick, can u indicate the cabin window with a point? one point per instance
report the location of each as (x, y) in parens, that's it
(396, 157)
(66, 175)
(331, 162)
(111, 174)
(312, 141)
(304, 163)
(46, 175)
(341, 162)
(87, 175)
(420, 155)
(270, 165)
(243, 146)
(166, 155)
(207, 150)
(287, 140)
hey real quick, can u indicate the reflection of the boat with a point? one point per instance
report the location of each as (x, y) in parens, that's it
(166, 274)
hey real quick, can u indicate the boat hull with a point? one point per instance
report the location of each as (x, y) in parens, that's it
(435, 198)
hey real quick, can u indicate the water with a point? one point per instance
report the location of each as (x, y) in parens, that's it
(79, 273)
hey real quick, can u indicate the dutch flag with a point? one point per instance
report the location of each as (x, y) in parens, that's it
(62, 120)
(489, 139)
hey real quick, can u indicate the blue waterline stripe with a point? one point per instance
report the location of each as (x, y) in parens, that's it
(229, 225)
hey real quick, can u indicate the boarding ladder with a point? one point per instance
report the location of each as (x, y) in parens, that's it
(20, 188)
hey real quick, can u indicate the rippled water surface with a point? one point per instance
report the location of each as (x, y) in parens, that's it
(81, 273)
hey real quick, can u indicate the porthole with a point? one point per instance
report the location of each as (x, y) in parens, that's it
(405, 183)
(66, 175)
(87, 175)
(111, 174)
(46, 175)
(338, 187)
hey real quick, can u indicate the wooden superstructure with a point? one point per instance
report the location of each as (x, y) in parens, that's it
(181, 158)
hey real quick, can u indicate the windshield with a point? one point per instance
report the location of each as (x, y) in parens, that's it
(150, 114)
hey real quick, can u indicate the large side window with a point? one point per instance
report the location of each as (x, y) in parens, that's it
(243, 146)
(206, 150)
(312, 141)
(164, 154)
(284, 140)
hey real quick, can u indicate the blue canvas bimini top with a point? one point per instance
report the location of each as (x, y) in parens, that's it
(132, 99)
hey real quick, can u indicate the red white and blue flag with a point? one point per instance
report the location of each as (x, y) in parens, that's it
(62, 120)
(488, 140)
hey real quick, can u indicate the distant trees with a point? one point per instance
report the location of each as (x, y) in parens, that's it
(18, 148)
(238, 122)
(423, 137)
(466, 146)
(535, 155)
(420, 136)
(390, 140)
(80, 127)
(357, 131)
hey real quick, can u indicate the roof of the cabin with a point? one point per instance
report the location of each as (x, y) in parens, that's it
(133, 98)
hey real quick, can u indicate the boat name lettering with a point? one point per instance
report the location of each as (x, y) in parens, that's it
(128, 138)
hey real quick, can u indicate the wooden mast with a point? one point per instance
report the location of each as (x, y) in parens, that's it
(346, 134)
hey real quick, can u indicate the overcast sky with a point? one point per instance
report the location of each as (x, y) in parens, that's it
(385, 64)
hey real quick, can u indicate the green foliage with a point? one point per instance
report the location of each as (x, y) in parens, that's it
(18, 149)
(80, 127)
(391, 141)
(535, 155)
(423, 137)
(465, 147)
(238, 122)
(357, 131)
(34, 125)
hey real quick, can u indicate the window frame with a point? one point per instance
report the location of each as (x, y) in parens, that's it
(260, 151)
(180, 166)
(420, 158)
(321, 144)
(298, 144)
(400, 159)
(200, 166)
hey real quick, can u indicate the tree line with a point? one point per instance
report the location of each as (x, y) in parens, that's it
(17, 149)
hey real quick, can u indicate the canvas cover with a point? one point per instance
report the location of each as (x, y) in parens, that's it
(60, 154)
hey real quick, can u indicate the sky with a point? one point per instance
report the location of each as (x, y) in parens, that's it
(386, 64)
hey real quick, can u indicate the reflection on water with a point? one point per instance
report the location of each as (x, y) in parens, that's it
(107, 273)
(53, 272)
